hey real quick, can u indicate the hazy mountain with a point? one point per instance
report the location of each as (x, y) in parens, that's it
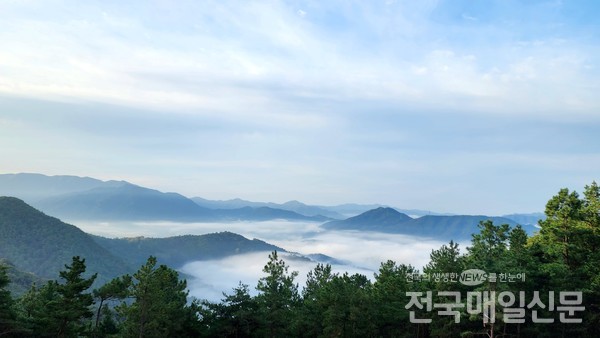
(295, 206)
(264, 214)
(124, 202)
(379, 219)
(458, 227)
(419, 213)
(132, 202)
(34, 187)
(336, 212)
(236, 203)
(82, 198)
(531, 219)
(309, 210)
(176, 251)
(351, 209)
(40, 244)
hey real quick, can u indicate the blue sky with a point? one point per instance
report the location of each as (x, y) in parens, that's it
(453, 106)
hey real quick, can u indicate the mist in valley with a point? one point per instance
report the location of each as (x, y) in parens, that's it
(354, 251)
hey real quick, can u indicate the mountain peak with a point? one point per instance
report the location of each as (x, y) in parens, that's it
(374, 218)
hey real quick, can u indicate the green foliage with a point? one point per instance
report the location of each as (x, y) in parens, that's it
(159, 307)
(564, 255)
(118, 288)
(278, 297)
(74, 304)
(7, 312)
(60, 309)
(25, 230)
(389, 299)
(176, 251)
(235, 316)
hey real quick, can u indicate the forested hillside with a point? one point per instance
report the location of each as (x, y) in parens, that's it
(176, 251)
(42, 245)
(504, 284)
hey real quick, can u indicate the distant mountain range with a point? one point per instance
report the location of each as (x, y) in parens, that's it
(84, 198)
(529, 219)
(457, 227)
(295, 206)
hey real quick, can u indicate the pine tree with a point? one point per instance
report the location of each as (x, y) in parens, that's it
(118, 288)
(74, 304)
(160, 306)
(7, 312)
(278, 297)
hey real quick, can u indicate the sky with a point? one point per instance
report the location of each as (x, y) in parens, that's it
(462, 106)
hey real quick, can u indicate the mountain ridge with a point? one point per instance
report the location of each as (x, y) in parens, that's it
(389, 220)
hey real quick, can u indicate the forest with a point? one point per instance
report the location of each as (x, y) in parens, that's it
(504, 284)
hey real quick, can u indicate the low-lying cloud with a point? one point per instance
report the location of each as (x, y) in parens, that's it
(358, 251)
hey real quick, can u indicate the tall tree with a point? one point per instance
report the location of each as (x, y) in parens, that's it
(236, 315)
(60, 309)
(117, 288)
(310, 315)
(8, 323)
(278, 297)
(159, 307)
(389, 295)
(348, 307)
(74, 303)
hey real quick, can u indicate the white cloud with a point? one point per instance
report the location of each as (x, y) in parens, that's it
(363, 251)
(120, 57)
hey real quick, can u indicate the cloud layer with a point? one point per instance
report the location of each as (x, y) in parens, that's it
(361, 252)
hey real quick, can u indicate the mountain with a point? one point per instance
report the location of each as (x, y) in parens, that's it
(459, 227)
(414, 213)
(176, 251)
(124, 202)
(530, 219)
(309, 210)
(42, 245)
(83, 198)
(20, 281)
(135, 203)
(335, 212)
(264, 214)
(379, 219)
(236, 203)
(36, 247)
(351, 209)
(35, 187)
(295, 206)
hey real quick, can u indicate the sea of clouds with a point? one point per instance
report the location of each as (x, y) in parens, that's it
(358, 251)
